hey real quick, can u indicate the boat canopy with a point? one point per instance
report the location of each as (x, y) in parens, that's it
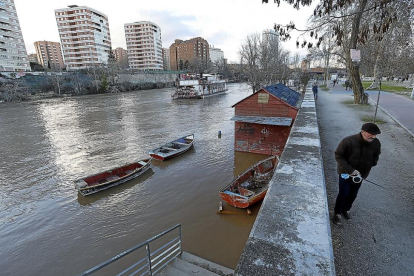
(275, 121)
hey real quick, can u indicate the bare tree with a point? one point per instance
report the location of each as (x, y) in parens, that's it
(389, 54)
(219, 66)
(249, 56)
(356, 35)
(79, 82)
(16, 90)
(200, 66)
(57, 82)
(263, 62)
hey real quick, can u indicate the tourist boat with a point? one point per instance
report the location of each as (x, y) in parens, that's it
(110, 178)
(173, 148)
(200, 88)
(251, 186)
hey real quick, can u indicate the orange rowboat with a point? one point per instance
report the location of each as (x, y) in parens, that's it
(251, 186)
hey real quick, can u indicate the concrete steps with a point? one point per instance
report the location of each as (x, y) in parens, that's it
(189, 264)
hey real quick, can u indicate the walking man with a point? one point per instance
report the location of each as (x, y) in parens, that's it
(315, 91)
(346, 84)
(355, 155)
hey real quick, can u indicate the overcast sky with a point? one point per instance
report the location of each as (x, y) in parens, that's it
(223, 23)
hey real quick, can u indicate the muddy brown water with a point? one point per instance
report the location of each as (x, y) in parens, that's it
(47, 228)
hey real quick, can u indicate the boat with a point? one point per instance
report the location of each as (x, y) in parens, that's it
(199, 88)
(173, 148)
(251, 186)
(110, 178)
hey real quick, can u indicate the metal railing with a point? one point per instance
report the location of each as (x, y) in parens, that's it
(153, 262)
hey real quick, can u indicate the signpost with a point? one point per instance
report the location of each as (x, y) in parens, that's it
(376, 108)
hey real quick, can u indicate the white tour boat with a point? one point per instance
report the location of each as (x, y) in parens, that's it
(200, 88)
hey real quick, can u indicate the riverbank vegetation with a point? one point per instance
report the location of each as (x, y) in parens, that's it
(264, 61)
(82, 82)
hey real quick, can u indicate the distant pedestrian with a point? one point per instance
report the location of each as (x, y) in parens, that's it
(355, 155)
(334, 82)
(315, 91)
(346, 84)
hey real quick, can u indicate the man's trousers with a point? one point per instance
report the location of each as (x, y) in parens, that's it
(348, 191)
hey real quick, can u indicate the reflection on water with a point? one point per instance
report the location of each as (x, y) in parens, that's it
(47, 144)
(86, 200)
(244, 160)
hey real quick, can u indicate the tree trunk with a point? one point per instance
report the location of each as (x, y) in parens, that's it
(356, 83)
(58, 83)
(377, 74)
(354, 68)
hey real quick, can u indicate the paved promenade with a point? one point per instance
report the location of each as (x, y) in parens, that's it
(401, 109)
(379, 239)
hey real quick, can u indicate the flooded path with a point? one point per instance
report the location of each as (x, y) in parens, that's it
(46, 228)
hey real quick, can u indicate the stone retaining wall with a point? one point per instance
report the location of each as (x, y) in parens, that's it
(147, 77)
(291, 235)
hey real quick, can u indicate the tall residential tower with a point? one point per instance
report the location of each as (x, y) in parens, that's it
(194, 51)
(166, 58)
(49, 55)
(144, 45)
(13, 55)
(84, 35)
(121, 57)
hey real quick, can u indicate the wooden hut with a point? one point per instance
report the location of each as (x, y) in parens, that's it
(263, 120)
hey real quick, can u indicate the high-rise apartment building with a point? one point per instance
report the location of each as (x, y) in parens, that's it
(195, 51)
(216, 54)
(271, 37)
(144, 45)
(84, 35)
(13, 55)
(121, 57)
(166, 58)
(33, 58)
(49, 55)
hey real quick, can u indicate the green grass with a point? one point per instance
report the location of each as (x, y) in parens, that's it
(386, 86)
(323, 87)
(351, 104)
(368, 119)
(348, 102)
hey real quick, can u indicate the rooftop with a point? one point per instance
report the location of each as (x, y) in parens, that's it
(284, 93)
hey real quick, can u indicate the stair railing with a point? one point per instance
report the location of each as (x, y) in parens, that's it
(153, 262)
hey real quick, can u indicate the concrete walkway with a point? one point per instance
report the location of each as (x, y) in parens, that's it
(379, 239)
(401, 109)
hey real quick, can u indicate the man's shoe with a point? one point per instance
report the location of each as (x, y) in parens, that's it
(346, 215)
(336, 219)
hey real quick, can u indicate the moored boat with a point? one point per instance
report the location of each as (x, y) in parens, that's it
(173, 148)
(200, 88)
(110, 178)
(251, 186)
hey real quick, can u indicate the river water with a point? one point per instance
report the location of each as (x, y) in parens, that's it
(46, 228)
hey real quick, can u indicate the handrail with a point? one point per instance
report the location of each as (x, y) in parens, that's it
(174, 248)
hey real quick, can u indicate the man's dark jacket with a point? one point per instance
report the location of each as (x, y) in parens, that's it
(354, 153)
